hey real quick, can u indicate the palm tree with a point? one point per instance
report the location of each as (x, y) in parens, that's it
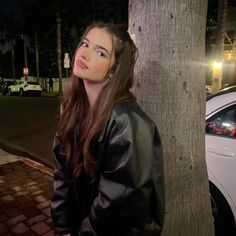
(8, 25)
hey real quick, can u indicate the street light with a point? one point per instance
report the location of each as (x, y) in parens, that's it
(216, 75)
(217, 65)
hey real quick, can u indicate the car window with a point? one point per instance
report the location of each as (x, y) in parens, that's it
(223, 123)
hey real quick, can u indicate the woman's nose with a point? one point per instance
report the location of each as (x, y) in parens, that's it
(85, 54)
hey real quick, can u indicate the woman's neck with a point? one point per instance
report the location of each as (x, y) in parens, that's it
(93, 90)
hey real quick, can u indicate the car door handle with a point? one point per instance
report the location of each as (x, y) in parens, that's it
(220, 151)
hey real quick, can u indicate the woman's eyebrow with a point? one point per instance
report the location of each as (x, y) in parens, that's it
(86, 39)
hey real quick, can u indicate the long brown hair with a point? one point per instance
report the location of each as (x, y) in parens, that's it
(77, 117)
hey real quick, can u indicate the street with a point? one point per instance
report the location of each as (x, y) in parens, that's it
(28, 124)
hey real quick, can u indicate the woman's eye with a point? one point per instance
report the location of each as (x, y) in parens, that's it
(84, 44)
(102, 54)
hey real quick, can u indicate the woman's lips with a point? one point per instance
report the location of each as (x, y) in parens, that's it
(81, 64)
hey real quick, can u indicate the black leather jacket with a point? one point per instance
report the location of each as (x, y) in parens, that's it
(128, 194)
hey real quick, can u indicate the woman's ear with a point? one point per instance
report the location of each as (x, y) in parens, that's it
(111, 74)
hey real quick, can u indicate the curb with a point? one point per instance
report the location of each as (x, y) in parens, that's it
(21, 152)
(36, 165)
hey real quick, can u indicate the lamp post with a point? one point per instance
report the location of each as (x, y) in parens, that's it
(216, 76)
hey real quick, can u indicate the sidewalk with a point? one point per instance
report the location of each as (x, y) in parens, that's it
(25, 193)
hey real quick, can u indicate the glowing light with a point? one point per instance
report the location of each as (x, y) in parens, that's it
(217, 65)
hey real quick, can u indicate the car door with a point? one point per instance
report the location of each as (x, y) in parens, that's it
(16, 86)
(19, 86)
(221, 150)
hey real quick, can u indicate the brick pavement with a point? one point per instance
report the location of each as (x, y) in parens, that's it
(25, 193)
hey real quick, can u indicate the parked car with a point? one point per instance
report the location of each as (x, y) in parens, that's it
(221, 158)
(4, 86)
(23, 87)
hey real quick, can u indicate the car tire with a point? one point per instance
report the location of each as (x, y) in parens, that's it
(21, 92)
(223, 216)
(9, 92)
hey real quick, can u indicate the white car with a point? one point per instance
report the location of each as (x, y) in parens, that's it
(24, 87)
(221, 158)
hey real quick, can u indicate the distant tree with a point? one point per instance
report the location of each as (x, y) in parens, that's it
(170, 86)
(9, 27)
(37, 20)
(220, 38)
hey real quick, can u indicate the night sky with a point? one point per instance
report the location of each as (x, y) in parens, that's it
(8, 6)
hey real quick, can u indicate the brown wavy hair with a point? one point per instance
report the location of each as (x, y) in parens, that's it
(78, 120)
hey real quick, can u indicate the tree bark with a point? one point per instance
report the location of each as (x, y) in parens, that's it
(170, 86)
(58, 19)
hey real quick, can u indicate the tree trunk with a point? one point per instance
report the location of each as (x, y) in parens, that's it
(36, 55)
(219, 49)
(59, 52)
(13, 63)
(170, 86)
(25, 55)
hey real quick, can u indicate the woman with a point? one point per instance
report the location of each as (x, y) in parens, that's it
(108, 159)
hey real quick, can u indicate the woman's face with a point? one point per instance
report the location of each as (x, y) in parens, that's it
(95, 56)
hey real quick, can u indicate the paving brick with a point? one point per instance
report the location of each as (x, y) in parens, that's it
(50, 178)
(49, 222)
(8, 192)
(11, 212)
(36, 219)
(3, 228)
(50, 233)
(47, 211)
(37, 192)
(19, 228)
(40, 198)
(7, 234)
(7, 198)
(23, 199)
(13, 183)
(35, 175)
(27, 205)
(40, 228)
(31, 212)
(21, 193)
(43, 205)
(16, 219)
(33, 188)
(18, 188)
(3, 188)
(30, 184)
(29, 233)
(42, 183)
(3, 218)
(6, 205)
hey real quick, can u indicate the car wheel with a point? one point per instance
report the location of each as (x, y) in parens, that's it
(9, 92)
(223, 216)
(21, 92)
